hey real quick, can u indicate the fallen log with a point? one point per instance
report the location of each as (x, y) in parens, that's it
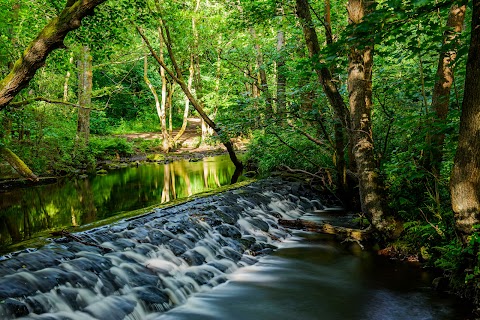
(347, 234)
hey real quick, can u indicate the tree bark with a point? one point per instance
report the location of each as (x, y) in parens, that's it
(262, 75)
(187, 103)
(465, 177)
(281, 78)
(17, 163)
(333, 95)
(49, 39)
(442, 88)
(359, 78)
(84, 97)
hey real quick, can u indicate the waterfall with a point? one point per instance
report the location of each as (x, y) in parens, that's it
(147, 265)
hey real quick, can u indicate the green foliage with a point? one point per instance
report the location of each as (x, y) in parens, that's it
(108, 147)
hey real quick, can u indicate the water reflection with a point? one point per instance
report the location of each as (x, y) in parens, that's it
(26, 212)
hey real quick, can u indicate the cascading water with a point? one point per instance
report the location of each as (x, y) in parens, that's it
(147, 265)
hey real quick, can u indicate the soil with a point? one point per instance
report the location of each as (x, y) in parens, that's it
(189, 142)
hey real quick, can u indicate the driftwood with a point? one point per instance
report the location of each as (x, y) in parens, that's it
(346, 234)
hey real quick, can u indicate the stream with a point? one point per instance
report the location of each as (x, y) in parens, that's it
(218, 257)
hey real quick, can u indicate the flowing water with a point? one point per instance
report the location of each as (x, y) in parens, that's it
(26, 213)
(218, 257)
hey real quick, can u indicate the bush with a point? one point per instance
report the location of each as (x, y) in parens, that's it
(108, 147)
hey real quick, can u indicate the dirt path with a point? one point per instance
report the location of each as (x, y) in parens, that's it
(190, 140)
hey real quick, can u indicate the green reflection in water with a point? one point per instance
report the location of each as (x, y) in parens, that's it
(24, 213)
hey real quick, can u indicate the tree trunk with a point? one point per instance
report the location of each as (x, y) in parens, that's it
(465, 178)
(262, 75)
(187, 103)
(17, 163)
(281, 78)
(84, 97)
(370, 181)
(331, 91)
(442, 88)
(158, 105)
(49, 39)
(178, 78)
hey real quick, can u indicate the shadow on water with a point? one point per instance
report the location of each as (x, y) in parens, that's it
(313, 280)
(24, 213)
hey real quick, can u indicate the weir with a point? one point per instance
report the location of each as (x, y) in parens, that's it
(142, 267)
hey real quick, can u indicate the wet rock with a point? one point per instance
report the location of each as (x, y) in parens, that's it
(229, 231)
(178, 247)
(193, 258)
(111, 308)
(258, 223)
(230, 254)
(201, 276)
(158, 237)
(15, 308)
(71, 297)
(154, 298)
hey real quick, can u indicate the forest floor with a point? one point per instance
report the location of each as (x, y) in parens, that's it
(189, 143)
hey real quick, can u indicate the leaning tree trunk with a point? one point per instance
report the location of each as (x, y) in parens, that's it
(333, 95)
(442, 88)
(84, 97)
(17, 163)
(49, 39)
(465, 178)
(178, 78)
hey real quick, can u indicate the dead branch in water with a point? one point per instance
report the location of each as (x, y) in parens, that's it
(347, 234)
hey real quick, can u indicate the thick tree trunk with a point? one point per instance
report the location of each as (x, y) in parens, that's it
(359, 88)
(49, 39)
(442, 88)
(162, 115)
(465, 178)
(84, 97)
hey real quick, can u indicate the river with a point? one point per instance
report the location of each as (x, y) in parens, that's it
(217, 257)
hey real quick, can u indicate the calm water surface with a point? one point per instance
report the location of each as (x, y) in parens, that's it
(319, 280)
(24, 213)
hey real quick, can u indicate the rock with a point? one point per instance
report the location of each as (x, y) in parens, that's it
(102, 172)
(15, 307)
(227, 230)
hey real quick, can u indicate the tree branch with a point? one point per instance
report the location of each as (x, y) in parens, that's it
(47, 100)
(49, 39)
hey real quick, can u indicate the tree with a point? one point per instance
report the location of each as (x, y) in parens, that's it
(178, 78)
(443, 85)
(465, 176)
(331, 91)
(360, 61)
(84, 97)
(49, 39)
